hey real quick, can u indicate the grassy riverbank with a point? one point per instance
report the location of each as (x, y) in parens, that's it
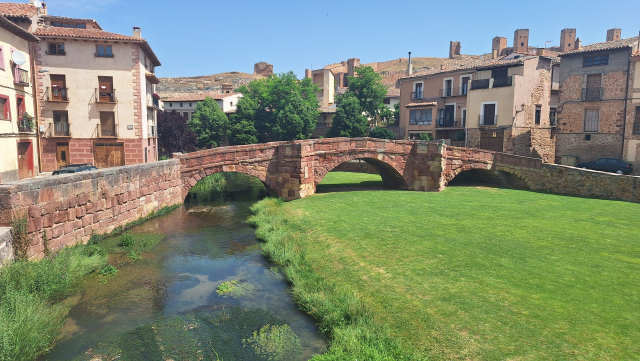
(467, 273)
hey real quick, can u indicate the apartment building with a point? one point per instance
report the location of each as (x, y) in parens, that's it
(186, 104)
(18, 138)
(96, 94)
(631, 151)
(595, 114)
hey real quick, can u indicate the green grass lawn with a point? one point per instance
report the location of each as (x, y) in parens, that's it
(483, 273)
(336, 180)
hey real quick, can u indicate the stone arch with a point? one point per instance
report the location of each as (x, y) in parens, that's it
(505, 177)
(387, 168)
(190, 179)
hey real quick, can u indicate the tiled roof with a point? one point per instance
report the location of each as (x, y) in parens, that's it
(196, 97)
(470, 63)
(15, 29)
(393, 92)
(18, 10)
(607, 45)
(73, 20)
(59, 32)
(416, 105)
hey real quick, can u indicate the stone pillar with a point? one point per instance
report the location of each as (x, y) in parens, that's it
(295, 177)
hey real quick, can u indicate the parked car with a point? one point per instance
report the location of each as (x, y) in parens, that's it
(611, 165)
(74, 168)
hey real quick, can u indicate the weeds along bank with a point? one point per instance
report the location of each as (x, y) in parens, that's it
(340, 313)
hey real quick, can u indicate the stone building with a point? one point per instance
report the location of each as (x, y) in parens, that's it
(262, 68)
(592, 106)
(18, 138)
(185, 104)
(631, 151)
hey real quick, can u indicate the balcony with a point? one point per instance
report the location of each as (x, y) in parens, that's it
(485, 120)
(450, 92)
(60, 129)
(56, 94)
(450, 123)
(152, 101)
(500, 82)
(153, 132)
(20, 77)
(416, 95)
(25, 125)
(592, 93)
(104, 96)
(480, 84)
(636, 127)
(107, 130)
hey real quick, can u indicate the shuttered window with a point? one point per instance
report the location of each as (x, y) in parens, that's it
(6, 107)
(420, 117)
(1, 58)
(21, 106)
(591, 120)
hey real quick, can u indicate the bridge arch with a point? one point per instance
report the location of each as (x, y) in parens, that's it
(504, 176)
(190, 179)
(386, 167)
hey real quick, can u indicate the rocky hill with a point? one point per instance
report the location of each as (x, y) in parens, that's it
(170, 86)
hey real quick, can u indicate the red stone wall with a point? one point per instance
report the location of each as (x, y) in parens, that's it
(71, 207)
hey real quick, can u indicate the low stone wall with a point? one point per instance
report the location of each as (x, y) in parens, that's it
(356, 167)
(71, 207)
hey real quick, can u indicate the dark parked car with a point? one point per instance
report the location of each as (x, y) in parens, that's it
(74, 168)
(611, 165)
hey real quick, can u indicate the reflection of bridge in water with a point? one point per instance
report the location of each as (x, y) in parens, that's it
(292, 170)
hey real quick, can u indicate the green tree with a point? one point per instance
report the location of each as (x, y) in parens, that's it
(280, 107)
(382, 133)
(396, 113)
(349, 121)
(368, 88)
(210, 124)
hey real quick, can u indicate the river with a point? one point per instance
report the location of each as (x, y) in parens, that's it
(165, 306)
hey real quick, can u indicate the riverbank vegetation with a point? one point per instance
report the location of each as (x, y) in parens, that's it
(467, 273)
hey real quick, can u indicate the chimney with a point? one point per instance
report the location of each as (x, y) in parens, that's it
(307, 73)
(613, 34)
(454, 49)
(499, 44)
(136, 32)
(410, 66)
(578, 44)
(567, 40)
(494, 53)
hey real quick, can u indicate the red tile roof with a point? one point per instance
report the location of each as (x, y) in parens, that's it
(196, 97)
(416, 105)
(470, 63)
(393, 92)
(607, 45)
(15, 29)
(59, 32)
(71, 20)
(18, 10)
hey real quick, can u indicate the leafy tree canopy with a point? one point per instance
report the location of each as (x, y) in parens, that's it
(174, 135)
(348, 121)
(382, 133)
(280, 107)
(210, 124)
(368, 88)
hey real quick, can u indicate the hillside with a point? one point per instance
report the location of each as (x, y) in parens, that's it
(170, 86)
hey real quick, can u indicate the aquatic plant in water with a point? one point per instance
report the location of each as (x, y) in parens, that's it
(235, 288)
(275, 343)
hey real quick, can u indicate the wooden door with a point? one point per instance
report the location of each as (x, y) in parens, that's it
(58, 88)
(105, 89)
(489, 114)
(108, 155)
(62, 154)
(448, 115)
(25, 160)
(492, 139)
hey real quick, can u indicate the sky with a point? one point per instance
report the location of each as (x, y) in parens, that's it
(199, 37)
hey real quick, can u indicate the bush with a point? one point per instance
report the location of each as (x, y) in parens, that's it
(127, 240)
(426, 136)
(382, 133)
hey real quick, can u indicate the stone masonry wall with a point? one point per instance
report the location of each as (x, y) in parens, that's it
(71, 207)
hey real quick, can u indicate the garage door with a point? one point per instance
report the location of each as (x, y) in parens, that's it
(108, 154)
(492, 139)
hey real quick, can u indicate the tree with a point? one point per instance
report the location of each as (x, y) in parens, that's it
(280, 107)
(396, 113)
(369, 90)
(210, 124)
(382, 133)
(174, 135)
(348, 121)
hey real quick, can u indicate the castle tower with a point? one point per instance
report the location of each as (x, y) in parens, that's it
(521, 41)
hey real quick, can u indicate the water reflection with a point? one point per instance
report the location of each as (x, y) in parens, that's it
(166, 304)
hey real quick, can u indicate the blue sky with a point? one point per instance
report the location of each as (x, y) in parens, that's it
(206, 37)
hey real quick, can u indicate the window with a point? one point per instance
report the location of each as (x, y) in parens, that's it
(180, 105)
(420, 117)
(56, 49)
(58, 88)
(418, 91)
(105, 90)
(61, 123)
(170, 105)
(500, 73)
(465, 85)
(596, 60)
(104, 51)
(1, 58)
(21, 106)
(6, 113)
(591, 120)
(538, 114)
(185, 115)
(552, 117)
(190, 105)
(231, 103)
(386, 101)
(108, 124)
(636, 122)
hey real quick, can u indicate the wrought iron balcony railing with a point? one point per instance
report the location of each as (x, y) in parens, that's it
(450, 92)
(592, 93)
(60, 129)
(56, 94)
(485, 120)
(105, 96)
(500, 82)
(107, 130)
(20, 76)
(416, 95)
(480, 84)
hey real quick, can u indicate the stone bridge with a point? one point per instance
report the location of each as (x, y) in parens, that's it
(291, 170)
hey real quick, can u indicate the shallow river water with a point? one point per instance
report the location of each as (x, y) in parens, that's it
(165, 306)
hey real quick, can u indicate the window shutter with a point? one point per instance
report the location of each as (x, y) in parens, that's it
(1, 58)
(23, 108)
(7, 109)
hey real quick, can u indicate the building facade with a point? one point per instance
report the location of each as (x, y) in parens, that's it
(18, 137)
(594, 116)
(186, 104)
(96, 94)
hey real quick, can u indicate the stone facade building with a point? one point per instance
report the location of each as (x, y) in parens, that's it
(186, 104)
(631, 151)
(593, 99)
